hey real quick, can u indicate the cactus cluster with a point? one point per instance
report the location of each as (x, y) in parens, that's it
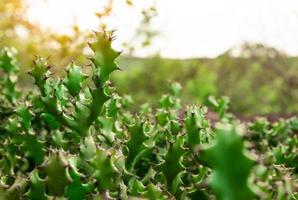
(75, 138)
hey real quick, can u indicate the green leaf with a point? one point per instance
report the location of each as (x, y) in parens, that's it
(40, 72)
(172, 163)
(25, 115)
(177, 182)
(219, 105)
(113, 106)
(58, 139)
(51, 105)
(293, 122)
(60, 93)
(50, 121)
(74, 79)
(104, 170)
(37, 189)
(10, 89)
(162, 117)
(175, 127)
(99, 97)
(153, 192)
(166, 102)
(231, 168)
(194, 123)
(135, 187)
(107, 129)
(76, 190)
(88, 148)
(33, 148)
(8, 60)
(176, 88)
(81, 113)
(135, 144)
(123, 191)
(56, 177)
(105, 55)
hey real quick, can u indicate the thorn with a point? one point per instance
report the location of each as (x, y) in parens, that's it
(90, 44)
(120, 52)
(18, 188)
(113, 38)
(95, 32)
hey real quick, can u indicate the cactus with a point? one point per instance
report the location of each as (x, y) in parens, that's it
(231, 167)
(73, 137)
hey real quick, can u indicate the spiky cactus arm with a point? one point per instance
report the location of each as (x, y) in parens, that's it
(231, 167)
(9, 65)
(40, 73)
(9, 93)
(103, 64)
(104, 59)
(172, 167)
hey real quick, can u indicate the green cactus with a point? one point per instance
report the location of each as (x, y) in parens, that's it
(37, 187)
(172, 167)
(8, 63)
(74, 79)
(56, 174)
(77, 190)
(105, 171)
(136, 144)
(231, 167)
(74, 137)
(195, 122)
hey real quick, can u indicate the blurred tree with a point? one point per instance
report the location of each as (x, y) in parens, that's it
(31, 40)
(145, 33)
(260, 77)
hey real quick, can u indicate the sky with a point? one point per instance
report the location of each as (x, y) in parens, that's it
(188, 28)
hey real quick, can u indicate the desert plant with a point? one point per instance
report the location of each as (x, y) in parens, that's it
(75, 138)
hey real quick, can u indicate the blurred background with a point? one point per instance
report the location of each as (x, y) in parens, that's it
(244, 49)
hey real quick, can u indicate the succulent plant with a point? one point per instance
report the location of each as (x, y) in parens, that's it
(73, 137)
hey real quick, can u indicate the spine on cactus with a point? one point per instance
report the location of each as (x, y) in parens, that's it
(87, 105)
